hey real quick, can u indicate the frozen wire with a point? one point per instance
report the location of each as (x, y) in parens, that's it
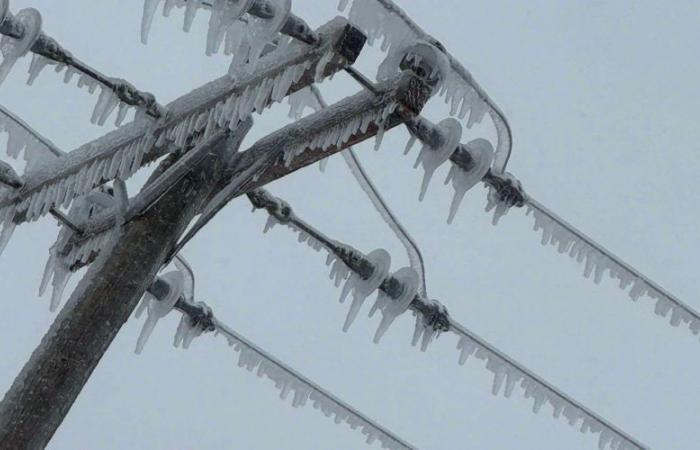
(307, 390)
(504, 368)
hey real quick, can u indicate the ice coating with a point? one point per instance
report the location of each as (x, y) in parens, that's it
(23, 140)
(244, 39)
(360, 288)
(482, 154)
(383, 21)
(415, 53)
(431, 158)
(338, 135)
(13, 49)
(598, 263)
(392, 308)
(36, 66)
(300, 100)
(60, 266)
(494, 202)
(424, 332)
(186, 330)
(508, 375)
(157, 309)
(223, 15)
(120, 154)
(302, 391)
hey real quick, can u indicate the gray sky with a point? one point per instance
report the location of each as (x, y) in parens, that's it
(602, 97)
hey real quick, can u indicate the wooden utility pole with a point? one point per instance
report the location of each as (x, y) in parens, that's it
(49, 383)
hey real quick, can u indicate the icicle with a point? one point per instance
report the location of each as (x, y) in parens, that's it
(37, 65)
(149, 12)
(190, 13)
(432, 158)
(186, 331)
(482, 154)
(392, 308)
(360, 288)
(223, 14)
(301, 100)
(157, 309)
(8, 227)
(13, 49)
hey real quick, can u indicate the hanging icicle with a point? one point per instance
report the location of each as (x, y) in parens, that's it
(14, 49)
(481, 152)
(431, 158)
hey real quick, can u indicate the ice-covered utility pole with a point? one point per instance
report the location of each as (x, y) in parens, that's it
(42, 394)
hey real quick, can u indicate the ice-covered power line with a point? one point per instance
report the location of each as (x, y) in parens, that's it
(431, 319)
(384, 20)
(506, 192)
(22, 34)
(175, 290)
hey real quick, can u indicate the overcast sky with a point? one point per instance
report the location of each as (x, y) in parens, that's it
(603, 100)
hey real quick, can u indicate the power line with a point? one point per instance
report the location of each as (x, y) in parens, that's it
(501, 365)
(568, 239)
(286, 379)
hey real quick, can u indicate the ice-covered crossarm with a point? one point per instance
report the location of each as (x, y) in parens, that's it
(386, 22)
(599, 262)
(509, 376)
(315, 137)
(216, 104)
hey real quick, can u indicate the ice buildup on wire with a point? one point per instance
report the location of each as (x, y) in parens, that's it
(25, 141)
(599, 262)
(424, 331)
(509, 376)
(302, 391)
(481, 152)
